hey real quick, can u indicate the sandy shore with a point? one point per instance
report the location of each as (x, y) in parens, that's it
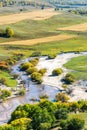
(78, 87)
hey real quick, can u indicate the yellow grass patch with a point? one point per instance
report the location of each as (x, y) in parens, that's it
(40, 40)
(78, 27)
(34, 15)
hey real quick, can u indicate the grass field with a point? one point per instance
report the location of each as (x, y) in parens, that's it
(32, 29)
(79, 65)
(10, 82)
(75, 44)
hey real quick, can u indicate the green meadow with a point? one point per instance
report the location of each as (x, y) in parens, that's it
(31, 29)
(79, 67)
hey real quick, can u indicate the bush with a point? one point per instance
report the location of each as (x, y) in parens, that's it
(43, 96)
(4, 66)
(21, 123)
(34, 61)
(57, 71)
(5, 93)
(22, 92)
(36, 54)
(69, 79)
(64, 86)
(61, 113)
(37, 77)
(15, 76)
(9, 32)
(31, 70)
(25, 66)
(45, 126)
(51, 56)
(75, 123)
(62, 97)
(42, 71)
(3, 80)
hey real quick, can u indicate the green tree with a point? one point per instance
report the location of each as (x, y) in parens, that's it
(83, 105)
(74, 107)
(45, 126)
(41, 116)
(75, 123)
(9, 32)
(61, 113)
(22, 123)
(18, 114)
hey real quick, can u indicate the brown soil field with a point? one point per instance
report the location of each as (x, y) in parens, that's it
(34, 15)
(78, 27)
(40, 40)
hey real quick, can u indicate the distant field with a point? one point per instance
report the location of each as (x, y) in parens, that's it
(32, 29)
(40, 40)
(78, 27)
(34, 15)
(79, 65)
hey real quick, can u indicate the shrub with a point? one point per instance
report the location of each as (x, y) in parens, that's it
(37, 77)
(64, 86)
(15, 76)
(4, 66)
(69, 78)
(3, 80)
(34, 61)
(44, 96)
(75, 123)
(51, 56)
(36, 54)
(45, 126)
(42, 71)
(61, 113)
(62, 97)
(21, 123)
(25, 66)
(57, 71)
(5, 93)
(21, 92)
(31, 70)
(9, 32)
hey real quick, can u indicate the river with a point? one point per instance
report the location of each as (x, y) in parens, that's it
(50, 86)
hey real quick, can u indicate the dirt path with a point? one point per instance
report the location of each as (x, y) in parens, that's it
(34, 15)
(78, 27)
(40, 40)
